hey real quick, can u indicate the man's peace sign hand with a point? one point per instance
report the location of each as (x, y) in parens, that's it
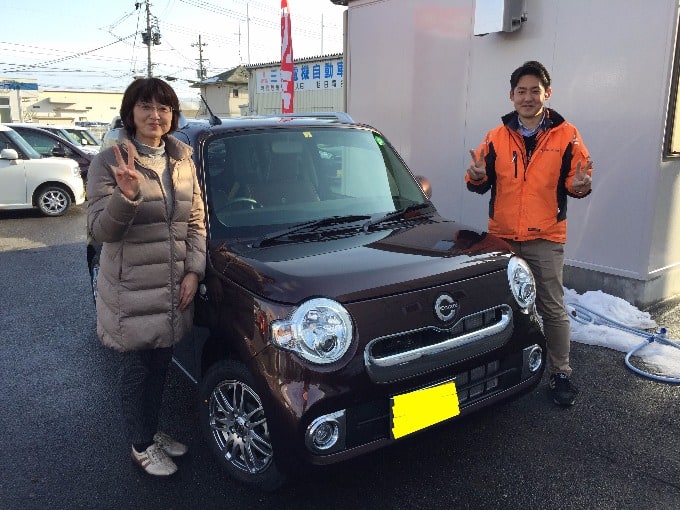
(125, 172)
(582, 180)
(477, 169)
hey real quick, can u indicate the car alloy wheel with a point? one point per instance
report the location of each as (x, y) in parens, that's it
(53, 201)
(234, 423)
(239, 426)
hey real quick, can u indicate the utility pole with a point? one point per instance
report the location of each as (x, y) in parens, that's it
(240, 58)
(202, 75)
(248, 29)
(151, 35)
(149, 73)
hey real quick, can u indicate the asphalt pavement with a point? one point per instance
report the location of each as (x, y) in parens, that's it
(61, 444)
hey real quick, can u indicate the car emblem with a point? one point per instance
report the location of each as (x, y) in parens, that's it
(445, 307)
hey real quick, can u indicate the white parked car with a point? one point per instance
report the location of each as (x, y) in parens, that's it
(28, 180)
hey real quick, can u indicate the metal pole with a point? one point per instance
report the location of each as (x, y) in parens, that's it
(248, 30)
(149, 73)
(21, 114)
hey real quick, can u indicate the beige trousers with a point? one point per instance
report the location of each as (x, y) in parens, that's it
(546, 259)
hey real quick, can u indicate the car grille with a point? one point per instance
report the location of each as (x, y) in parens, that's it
(370, 421)
(399, 357)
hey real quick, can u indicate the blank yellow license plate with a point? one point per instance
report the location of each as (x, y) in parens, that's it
(422, 408)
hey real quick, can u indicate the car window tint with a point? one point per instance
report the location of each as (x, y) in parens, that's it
(42, 144)
(18, 143)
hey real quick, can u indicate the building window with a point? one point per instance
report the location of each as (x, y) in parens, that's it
(5, 110)
(234, 93)
(672, 142)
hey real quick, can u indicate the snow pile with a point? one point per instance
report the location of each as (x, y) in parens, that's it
(661, 359)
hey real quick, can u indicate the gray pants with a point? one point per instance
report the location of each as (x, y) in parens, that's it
(142, 380)
(546, 259)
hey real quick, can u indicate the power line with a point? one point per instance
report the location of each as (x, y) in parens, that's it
(76, 55)
(222, 48)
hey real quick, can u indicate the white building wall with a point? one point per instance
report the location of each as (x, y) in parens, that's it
(220, 98)
(68, 107)
(416, 71)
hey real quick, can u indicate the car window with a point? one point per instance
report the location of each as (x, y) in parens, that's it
(44, 144)
(5, 142)
(13, 140)
(83, 137)
(258, 181)
(60, 133)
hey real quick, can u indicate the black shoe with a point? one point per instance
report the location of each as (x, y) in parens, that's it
(563, 392)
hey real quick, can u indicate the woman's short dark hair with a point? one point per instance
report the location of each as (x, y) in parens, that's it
(532, 68)
(147, 90)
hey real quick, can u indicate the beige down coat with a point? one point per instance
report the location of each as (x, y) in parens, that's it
(145, 254)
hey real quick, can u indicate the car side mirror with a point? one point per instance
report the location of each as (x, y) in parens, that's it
(425, 185)
(59, 152)
(9, 154)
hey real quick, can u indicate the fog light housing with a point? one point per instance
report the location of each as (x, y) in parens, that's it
(532, 358)
(326, 433)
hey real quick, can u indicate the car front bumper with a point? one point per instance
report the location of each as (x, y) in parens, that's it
(334, 416)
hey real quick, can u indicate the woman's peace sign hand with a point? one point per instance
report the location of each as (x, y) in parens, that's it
(126, 175)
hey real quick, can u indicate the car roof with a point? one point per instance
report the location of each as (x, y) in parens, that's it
(217, 125)
(43, 126)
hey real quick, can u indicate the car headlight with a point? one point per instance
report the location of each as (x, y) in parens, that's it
(319, 330)
(76, 171)
(521, 282)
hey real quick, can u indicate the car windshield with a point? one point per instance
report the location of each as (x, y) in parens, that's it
(18, 140)
(82, 137)
(261, 181)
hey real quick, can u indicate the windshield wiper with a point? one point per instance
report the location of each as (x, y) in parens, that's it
(399, 213)
(309, 226)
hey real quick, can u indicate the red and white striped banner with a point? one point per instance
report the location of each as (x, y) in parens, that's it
(287, 85)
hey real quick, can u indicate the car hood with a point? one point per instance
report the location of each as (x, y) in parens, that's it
(364, 265)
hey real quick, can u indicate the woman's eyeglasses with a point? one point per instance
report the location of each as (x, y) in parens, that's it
(148, 108)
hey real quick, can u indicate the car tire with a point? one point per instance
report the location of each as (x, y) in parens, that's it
(234, 424)
(53, 200)
(94, 273)
(93, 253)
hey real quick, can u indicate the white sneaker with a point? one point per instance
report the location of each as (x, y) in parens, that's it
(169, 445)
(154, 461)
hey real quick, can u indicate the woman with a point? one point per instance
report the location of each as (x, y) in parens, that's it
(145, 207)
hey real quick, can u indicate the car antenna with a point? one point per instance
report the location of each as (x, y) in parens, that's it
(214, 119)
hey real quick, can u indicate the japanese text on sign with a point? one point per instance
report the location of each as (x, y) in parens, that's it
(312, 76)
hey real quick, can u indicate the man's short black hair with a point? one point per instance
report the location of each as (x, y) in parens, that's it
(532, 68)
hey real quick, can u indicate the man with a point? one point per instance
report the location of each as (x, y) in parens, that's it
(531, 163)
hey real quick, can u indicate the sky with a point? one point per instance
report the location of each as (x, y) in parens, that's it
(97, 45)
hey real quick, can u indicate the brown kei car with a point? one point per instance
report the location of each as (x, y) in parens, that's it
(340, 312)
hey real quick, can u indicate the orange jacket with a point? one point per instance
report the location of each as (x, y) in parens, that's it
(529, 192)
